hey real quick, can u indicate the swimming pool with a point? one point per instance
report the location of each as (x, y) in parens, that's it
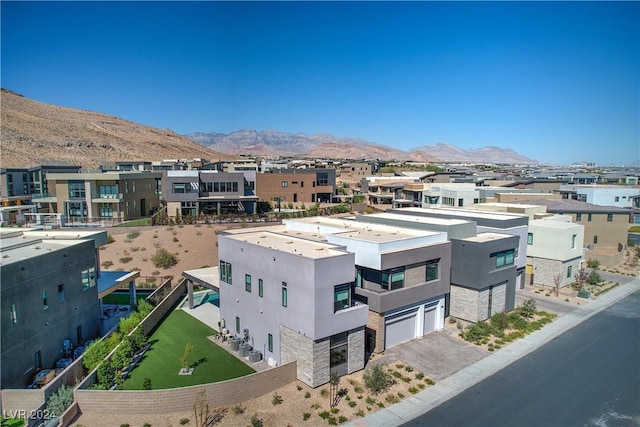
(212, 297)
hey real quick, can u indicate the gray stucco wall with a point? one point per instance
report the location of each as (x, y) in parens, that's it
(39, 329)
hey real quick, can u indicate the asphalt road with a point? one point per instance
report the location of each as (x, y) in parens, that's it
(588, 376)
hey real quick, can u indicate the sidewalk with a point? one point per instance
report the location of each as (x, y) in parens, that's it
(470, 375)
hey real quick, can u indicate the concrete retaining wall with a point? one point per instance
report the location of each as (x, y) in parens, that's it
(223, 393)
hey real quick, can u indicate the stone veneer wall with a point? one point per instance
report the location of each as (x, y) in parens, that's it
(376, 322)
(545, 269)
(464, 303)
(356, 350)
(222, 393)
(312, 358)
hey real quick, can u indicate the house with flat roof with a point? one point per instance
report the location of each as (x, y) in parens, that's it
(291, 298)
(207, 192)
(602, 195)
(402, 275)
(483, 275)
(111, 196)
(490, 222)
(297, 186)
(555, 251)
(48, 298)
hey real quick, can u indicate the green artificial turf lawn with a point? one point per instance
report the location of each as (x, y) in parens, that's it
(161, 362)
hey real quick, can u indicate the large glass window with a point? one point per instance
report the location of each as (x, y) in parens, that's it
(76, 190)
(529, 238)
(108, 191)
(504, 258)
(341, 297)
(392, 279)
(323, 178)
(106, 210)
(432, 270)
(339, 353)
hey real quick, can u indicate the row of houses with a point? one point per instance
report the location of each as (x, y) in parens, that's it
(328, 292)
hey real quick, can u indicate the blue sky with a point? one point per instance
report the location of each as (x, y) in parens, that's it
(556, 81)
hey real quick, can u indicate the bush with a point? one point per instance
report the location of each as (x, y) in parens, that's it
(125, 260)
(528, 308)
(146, 384)
(184, 421)
(307, 395)
(377, 379)
(342, 419)
(163, 259)
(59, 401)
(255, 421)
(94, 354)
(133, 235)
(593, 263)
(276, 399)
(106, 264)
(306, 416)
(110, 239)
(594, 278)
(238, 409)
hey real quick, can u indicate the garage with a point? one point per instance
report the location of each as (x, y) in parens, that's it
(400, 327)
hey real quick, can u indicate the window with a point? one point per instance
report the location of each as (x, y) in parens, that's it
(595, 240)
(284, 294)
(393, 279)
(88, 278)
(76, 190)
(260, 288)
(284, 184)
(573, 241)
(247, 282)
(529, 238)
(323, 178)
(569, 271)
(179, 188)
(61, 292)
(588, 217)
(341, 297)
(237, 325)
(578, 217)
(14, 314)
(106, 210)
(504, 258)
(432, 270)
(108, 191)
(225, 272)
(609, 217)
(339, 349)
(45, 300)
(617, 198)
(270, 343)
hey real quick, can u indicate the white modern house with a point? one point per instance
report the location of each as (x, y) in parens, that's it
(291, 298)
(555, 251)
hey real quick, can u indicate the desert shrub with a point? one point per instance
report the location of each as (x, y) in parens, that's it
(419, 376)
(307, 395)
(276, 399)
(360, 413)
(377, 379)
(163, 259)
(429, 381)
(324, 415)
(594, 278)
(391, 398)
(110, 239)
(306, 416)
(255, 421)
(528, 308)
(107, 264)
(324, 392)
(421, 386)
(299, 387)
(352, 404)
(413, 390)
(370, 400)
(184, 421)
(358, 389)
(59, 401)
(132, 235)
(342, 419)
(238, 409)
(125, 260)
(593, 263)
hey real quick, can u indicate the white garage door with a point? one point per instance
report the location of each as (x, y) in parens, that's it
(400, 328)
(429, 320)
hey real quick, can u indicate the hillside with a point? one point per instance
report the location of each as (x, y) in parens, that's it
(275, 143)
(31, 131)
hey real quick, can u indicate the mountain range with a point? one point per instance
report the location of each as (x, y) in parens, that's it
(275, 143)
(33, 132)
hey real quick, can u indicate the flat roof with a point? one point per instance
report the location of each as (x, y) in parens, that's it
(499, 216)
(553, 223)
(288, 243)
(420, 219)
(110, 281)
(208, 276)
(486, 237)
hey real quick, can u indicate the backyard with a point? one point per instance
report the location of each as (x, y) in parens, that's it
(162, 362)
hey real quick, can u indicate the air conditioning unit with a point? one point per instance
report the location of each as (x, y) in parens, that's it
(255, 356)
(234, 343)
(245, 348)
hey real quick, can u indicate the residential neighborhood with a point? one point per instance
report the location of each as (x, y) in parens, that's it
(317, 272)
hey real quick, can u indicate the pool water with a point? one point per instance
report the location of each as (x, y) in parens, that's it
(212, 298)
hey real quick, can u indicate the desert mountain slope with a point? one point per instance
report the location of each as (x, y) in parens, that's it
(32, 130)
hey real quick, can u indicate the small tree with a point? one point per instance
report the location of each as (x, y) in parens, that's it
(334, 382)
(146, 383)
(594, 278)
(184, 360)
(528, 308)
(581, 276)
(557, 280)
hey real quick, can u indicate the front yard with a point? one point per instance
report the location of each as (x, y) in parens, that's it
(162, 362)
